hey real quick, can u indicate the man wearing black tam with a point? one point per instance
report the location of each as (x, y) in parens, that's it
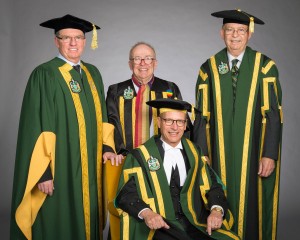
(239, 128)
(167, 190)
(63, 133)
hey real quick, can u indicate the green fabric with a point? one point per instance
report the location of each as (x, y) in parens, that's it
(138, 229)
(234, 127)
(48, 106)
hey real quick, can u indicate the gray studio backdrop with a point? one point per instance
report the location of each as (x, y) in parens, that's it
(184, 35)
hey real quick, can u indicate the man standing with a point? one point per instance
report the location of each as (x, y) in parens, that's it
(63, 132)
(167, 190)
(134, 121)
(239, 129)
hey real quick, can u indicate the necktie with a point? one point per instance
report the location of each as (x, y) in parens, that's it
(142, 123)
(77, 68)
(234, 75)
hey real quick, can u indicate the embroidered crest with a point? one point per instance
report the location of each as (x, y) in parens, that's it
(128, 93)
(223, 68)
(153, 164)
(75, 87)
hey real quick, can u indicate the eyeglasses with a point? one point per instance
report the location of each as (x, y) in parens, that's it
(67, 39)
(169, 122)
(239, 31)
(138, 60)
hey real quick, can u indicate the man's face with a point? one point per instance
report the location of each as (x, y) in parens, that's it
(142, 72)
(236, 37)
(71, 45)
(172, 134)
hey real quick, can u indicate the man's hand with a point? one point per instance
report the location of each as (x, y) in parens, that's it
(114, 158)
(46, 187)
(266, 167)
(153, 220)
(214, 221)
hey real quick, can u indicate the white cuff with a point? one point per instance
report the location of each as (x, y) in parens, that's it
(218, 206)
(139, 215)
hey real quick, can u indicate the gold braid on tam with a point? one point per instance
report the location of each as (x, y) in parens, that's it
(163, 110)
(94, 43)
(251, 24)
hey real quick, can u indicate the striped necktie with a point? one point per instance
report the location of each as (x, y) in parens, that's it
(77, 68)
(234, 75)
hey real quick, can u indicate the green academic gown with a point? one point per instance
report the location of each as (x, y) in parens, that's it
(64, 127)
(235, 135)
(153, 189)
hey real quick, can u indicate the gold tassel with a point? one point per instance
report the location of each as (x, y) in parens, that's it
(193, 113)
(251, 25)
(94, 43)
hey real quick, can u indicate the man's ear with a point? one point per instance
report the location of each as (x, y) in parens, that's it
(222, 33)
(158, 121)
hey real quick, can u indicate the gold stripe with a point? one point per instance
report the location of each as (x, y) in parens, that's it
(205, 187)
(276, 196)
(160, 200)
(150, 201)
(192, 184)
(245, 155)
(203, 75)
(266, 69)
(121, 113)
(139, 173)
(125, 226)
(83, 148)
(133, 119)
(206, 113)
(266, 105)
(154, 114)
(219, 119)
(99, 121)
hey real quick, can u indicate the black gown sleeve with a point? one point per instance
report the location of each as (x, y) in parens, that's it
(273, 129)
(129, 201)
(113, 116)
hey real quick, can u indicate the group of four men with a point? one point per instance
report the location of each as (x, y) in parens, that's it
(164, 177)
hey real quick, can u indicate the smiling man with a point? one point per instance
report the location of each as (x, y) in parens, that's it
(57, 191)
(167, 190)
(239, 128)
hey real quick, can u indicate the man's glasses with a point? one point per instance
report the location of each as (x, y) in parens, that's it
(169, 122)
(239, 31)
(138, 60)
(67, 39)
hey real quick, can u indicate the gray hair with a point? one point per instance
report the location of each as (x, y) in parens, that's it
(138, 44)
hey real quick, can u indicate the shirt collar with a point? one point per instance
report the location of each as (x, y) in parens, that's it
(167, 147)
(239, 57)
(63, 58)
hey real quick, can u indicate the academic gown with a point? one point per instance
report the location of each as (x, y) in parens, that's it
(65, 128)
(121, 100)
(236, 135)
(143, 183)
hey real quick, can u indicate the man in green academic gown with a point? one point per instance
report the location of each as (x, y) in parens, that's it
(167, 190)
(239, 128)
(63, 133)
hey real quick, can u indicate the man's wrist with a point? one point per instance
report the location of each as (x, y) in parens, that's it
(217, 208)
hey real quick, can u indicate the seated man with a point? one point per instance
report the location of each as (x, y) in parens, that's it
(167, 190)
